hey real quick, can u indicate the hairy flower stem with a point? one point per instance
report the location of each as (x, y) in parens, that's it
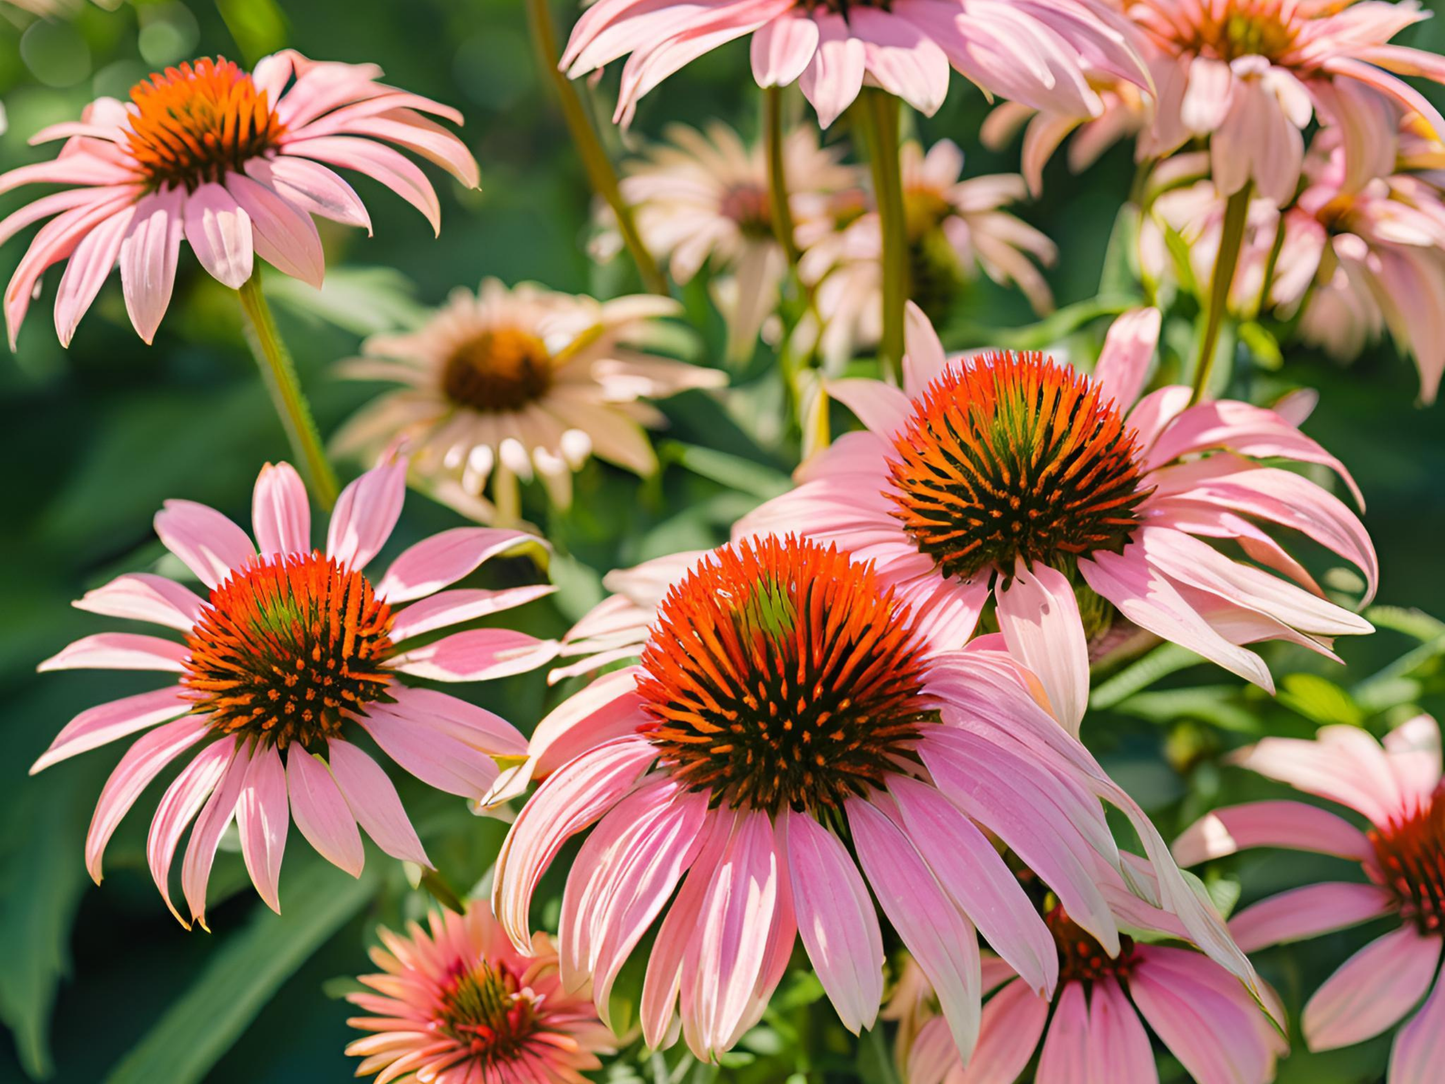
(878, 111)
(1231, 240)
(600, 173)
(289, 400)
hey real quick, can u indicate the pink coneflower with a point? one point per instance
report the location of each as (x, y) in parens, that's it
(235, 163)
(702, 199)
(955, 228)
(292, 648)
(1251, 75)
(786, 702)
(508, 384)
(1018, 49)
(1010, 477)
(458, 1004)
(1397, 789)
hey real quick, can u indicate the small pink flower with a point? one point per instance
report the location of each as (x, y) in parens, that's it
(702, 199)
(955, 229)
(1018, 49)
(1011, 478)
(516, 383)
(785, 701)
(1397, 789)
(235, 164)
(1252, 74)
(458, 1004)
(292, 648)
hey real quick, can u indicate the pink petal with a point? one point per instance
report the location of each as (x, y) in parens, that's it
(445, 558)
(1128, 350)
(608, 708)
(141, 596)
(1009, 1031)
(311, 187)
(924, 360)
(931, 926)
(782, 48)
(1343, 764)
(476, 655)
(880, 407)
(454, 607)
(1065, 1057)
(1039, 618)
(1308, 912)
(1291, 825)
(365, 514)
(835, 76)
(105, 723)
(87, 271)
(434, 757)
(467, 723)
(281, 512)
(1119, 1050)
(263, 817)
(373, 801)
(566, 803)
(219, 231)
(148, 258)
(903, 59)
(321, 812)
(283, 234)
(208, 543)
(1371, 990)
(416, 133)
(178, 807)
(1418, 1056)
(215, 818)
(142, 762)
(378, 162)
(119, 651)
(836, 919)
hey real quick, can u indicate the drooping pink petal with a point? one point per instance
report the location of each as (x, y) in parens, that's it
(215, 818)
(476, 655)
(219, 232)
(454, 607)
(1418, 1056)
(284, 234)
(373, 801)
(178, 807)
(1065, 1056)
(902, 58)
(379, 162)
(142, 596)
(832, 80)
(1308, 912)
(474, 726)
(365, 514)
(782, 49)
(836, 919)
(105, 723)
(119, 651)
(1291, 825)
(1371, 990)
(1118, 1046)
(263, 817)
(311, 187)
(608, 708)
(1039, 618)
(87, 270)
(142, 762)
(208, 543)
(435, 757)
(321, 812)
(1009, 1032)
(444, 558)
(280, 511)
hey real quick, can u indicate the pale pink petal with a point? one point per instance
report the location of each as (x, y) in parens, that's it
(311, 187)
(1371, 990)
(454, 607)
(373, 801)
(208, 543)
(86, 272)
(284, 235)
(902, 58)
(105, 723)
(1039, 618)
(280, 511)
(219, 232)
(882, 408)
(119, 651)
(215, 818)
(836, 919)
(474, 726)
(1343, 764)
(365, 514)
(931, 926)
(1291, 825)
(1118, 1046)
(1308, 912)
(476, 655)
(433, 756)
(321, 812)
(142, 596)
(407, 128)
(142, 762)
(148, 258)
(1414, 754)
(263, 817)
(1009, 1032)
(782, 49)
(924, 360)
(1128, 350)
(1418, 1056)
(1065, 1057)
(178, 807)
(835, 76)
(444, 558)
(608, 708)
(933, 1054)
(379, 162)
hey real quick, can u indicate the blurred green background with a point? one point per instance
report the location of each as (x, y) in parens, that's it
(103, 985)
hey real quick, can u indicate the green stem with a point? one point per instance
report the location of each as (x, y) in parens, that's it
(879, 113)
(781, 212)
(279, 373)
(600, 173)
(1269, 265)
(1231, 240)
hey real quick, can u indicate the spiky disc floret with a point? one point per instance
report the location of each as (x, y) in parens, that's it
(1410, 861)
(780, 673)
(484, 1009)
(1081, 957)
(1013, 455)
(286, 648)
(197, 122)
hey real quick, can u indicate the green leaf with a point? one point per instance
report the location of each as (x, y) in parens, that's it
(1320, 700)
(1117, 276)
(1411, 622)
(362, 300)
(1162, 661)
(1206, 704)
(203, 1023)
(743, 475)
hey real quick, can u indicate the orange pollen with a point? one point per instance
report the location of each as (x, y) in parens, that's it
(1013, 455)
(483, 1009)
(287, 648)
(1081, 958)
(502, 369)
(1410, 862)
(779, 673)
(198, 122)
